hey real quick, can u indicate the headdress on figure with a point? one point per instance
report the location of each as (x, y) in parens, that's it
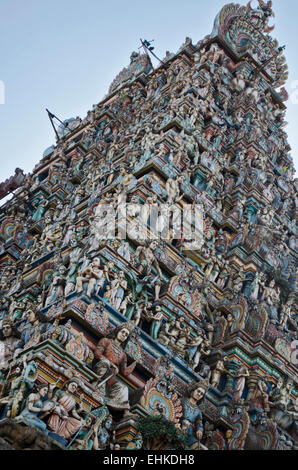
(70, 381)
(130, 326)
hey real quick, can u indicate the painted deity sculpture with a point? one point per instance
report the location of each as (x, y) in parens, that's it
(192, 420)
(9, 339)
(111, 352)
(36, 407)
(64, 418)
(92, 275)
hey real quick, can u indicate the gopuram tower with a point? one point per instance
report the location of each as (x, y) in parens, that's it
(148, 264)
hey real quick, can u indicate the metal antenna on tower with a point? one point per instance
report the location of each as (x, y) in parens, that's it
(52, 117)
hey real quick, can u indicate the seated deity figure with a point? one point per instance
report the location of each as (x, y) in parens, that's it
(35, 326)
(36, 407)
(93, 276)
(177, 328)
(84, 438)
(192, 420)
(51, 237)
(112, 360)
(275, 394)
(181, 344)
(271, 295)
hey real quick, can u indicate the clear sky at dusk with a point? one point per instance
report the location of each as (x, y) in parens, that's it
(63, 55)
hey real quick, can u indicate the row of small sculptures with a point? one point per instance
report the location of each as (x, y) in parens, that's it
(55, 411)
(143, 306)
(112, 359)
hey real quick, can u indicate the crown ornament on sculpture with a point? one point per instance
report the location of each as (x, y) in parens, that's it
(245, 31)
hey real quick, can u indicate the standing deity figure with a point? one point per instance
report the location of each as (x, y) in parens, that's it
(156, 319)
(145, 259)
(252, 92)
(124, 251)
(40, 210)
(285, 395)
(141, 312)
(194, 349)
(192, 420)
(34, 327)
(69, 235)
(9, 338)
(93, 276)
(271, 295)
(218, 371)
(74, 258)
(260, 398)
(110, 354)
(118, 287)
(286, 314)
(23, 382)
(173, 190)
(127, 305)
(240, 382)
(255, 286)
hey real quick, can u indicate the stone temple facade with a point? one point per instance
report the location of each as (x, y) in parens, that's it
(120, 330)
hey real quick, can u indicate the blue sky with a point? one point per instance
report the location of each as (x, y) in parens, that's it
(63, 55)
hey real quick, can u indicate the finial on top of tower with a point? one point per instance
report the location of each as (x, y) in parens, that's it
(244, 30)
